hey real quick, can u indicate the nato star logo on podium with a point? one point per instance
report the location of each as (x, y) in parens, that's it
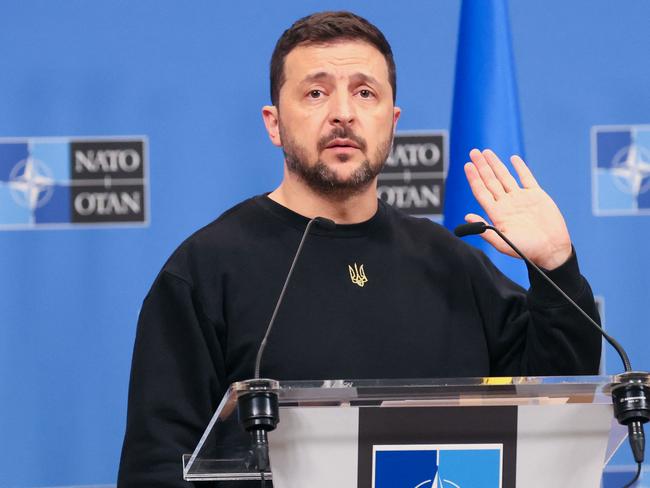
(620, 173)
(437, 466)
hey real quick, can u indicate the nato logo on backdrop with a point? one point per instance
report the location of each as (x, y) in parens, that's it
(437, 466)
(66, 182)
(413, 178)
(620, 170)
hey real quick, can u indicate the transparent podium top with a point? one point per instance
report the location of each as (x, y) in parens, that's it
(224, 451)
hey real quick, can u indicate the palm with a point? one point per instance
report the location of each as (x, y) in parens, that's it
(525, 214)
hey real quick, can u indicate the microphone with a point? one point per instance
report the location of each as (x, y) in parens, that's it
(474, 228)
(258, 409)
(470, 229)
(324, 223)
(630, 397)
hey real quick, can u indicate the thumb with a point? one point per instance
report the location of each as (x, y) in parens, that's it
(491, 237)
(471, 218)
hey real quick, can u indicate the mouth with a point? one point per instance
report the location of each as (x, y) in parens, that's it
(342, 144)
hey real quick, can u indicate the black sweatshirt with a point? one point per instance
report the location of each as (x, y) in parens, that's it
(432, 306)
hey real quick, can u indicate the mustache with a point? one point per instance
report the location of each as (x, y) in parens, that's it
(341, 132)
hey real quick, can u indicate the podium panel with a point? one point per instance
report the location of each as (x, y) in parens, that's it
(501, 432)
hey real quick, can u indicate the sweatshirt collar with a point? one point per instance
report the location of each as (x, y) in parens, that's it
(342, 230)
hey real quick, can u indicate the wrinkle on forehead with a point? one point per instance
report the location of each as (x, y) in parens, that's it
(312, 58)
(354, 76)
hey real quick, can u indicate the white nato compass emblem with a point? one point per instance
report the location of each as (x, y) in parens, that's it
(31, 183)
(437, 482)
(631, 169)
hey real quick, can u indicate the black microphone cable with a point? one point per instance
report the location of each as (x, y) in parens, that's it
(630, 398)
(258, 409)
(323, 222)
(480, 227)
(636, 476)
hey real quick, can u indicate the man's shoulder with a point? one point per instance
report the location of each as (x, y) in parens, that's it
(419, 228)
(430, 237)
(233, 224)
(218, 240)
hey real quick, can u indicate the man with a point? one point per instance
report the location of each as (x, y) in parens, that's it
(427, 305)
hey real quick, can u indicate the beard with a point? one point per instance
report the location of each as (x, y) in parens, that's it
(320, 177)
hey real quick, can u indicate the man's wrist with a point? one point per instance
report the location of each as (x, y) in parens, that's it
(555, 259)
(566, 276)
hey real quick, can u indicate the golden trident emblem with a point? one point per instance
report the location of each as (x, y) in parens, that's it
(357, 275)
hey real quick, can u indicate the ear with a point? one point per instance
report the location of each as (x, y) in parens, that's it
(272, 123)
(396, 113)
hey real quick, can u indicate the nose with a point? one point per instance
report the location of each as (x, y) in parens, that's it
(342, 109)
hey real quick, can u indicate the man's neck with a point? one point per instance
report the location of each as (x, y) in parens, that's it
(298, 197)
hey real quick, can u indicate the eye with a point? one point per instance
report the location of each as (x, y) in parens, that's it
(365, 93)
(315, 94)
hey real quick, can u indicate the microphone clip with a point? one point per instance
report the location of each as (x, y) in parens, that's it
(259, 413)
(631, 401)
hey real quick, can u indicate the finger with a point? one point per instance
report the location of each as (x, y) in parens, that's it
(503, 175)
(525, 176)
(472, 218)
(492, 238)
(487, 175)
(483, 196)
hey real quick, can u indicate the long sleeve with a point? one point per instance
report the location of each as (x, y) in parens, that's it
(174, 388)
(539, 333)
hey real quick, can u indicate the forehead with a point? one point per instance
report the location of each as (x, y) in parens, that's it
(338, 58)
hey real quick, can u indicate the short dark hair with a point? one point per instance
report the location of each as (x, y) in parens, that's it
(322, 28)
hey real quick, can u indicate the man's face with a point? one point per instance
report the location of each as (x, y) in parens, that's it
(336, 115)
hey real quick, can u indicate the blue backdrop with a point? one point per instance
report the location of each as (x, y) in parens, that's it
(192, 77)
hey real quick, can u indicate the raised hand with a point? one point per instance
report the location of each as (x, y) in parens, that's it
(525, 214)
